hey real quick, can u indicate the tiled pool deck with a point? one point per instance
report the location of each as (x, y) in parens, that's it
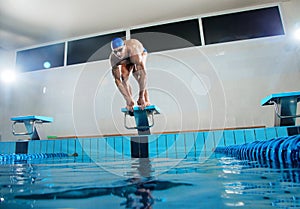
(165, 145)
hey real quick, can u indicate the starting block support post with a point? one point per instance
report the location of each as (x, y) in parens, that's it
(139, 145)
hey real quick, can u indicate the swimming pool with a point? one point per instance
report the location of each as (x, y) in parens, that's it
(216, 182)
(181, 172)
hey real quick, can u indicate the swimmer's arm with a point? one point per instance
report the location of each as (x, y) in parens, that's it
(121, 85)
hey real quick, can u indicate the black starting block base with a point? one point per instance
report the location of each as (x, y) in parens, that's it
(21, 147)
(139, 147)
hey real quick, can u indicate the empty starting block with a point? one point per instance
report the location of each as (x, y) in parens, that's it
(285, 105)
(141, 118)
(30, 123)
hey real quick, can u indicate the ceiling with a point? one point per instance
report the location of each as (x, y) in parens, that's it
(33, 22)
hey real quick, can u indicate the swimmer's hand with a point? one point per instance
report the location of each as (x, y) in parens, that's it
(129, 106)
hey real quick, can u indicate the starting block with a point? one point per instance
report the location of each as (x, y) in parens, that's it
(139, 145)
(30, 123)
(285, 106)
(141, 118)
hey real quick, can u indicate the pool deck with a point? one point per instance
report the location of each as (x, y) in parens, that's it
(160, 145)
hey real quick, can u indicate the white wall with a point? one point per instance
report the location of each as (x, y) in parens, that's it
(7, 59)
(196, 88)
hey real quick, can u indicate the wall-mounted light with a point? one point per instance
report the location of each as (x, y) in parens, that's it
(297, 33)
(47, 64)
(8, 76)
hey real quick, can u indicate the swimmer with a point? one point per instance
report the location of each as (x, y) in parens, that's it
(129, 56)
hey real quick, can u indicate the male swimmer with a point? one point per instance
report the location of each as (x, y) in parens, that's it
(129, 56)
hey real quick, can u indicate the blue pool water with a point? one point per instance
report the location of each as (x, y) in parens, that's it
(119, 182)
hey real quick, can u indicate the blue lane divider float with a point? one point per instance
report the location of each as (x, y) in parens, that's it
(20, 157)
(278, 152)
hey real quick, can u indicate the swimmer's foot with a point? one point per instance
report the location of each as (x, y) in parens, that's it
(146, 104)
(142, 103)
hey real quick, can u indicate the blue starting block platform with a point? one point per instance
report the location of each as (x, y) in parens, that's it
(285, 105)
(141, 118)
(139, 145)
(30, 123)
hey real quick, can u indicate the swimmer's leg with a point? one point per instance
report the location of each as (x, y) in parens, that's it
(141, 77)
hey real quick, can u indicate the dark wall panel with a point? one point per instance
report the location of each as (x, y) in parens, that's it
(169, 36)
(242, 25)
(91, 49)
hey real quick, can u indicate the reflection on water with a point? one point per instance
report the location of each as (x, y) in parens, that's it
(219, 182)
(137, 190)
(245, 181)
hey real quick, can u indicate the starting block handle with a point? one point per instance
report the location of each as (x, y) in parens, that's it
(139, 127)
(30, 124)
(282, 116)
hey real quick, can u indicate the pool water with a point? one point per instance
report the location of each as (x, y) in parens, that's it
(79, 182)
